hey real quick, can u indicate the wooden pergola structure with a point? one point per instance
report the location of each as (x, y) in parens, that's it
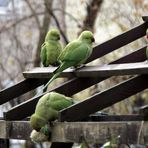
(81, 123)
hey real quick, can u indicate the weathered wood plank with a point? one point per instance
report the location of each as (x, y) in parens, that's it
(118, 41)
(112, 70)
(19, 88)
(92, 71)
(104, 99)
(92, 132)
(106, 118)
(70, 87)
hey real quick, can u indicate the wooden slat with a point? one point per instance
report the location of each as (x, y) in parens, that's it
(98, 133)
(92, 132)
(19, 88)
(104, 99)
(93, 71)
(106, 118)
(113, 70)
(69, 88)
(118, 41)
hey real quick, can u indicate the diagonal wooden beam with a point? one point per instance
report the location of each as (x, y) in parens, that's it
(20, 88)
(104, 99)
(69, 88)
(118, 41)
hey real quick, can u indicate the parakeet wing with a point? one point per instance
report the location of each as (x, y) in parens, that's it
(43, 54)
(75, 51)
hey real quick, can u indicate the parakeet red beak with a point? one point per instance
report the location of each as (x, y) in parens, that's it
(146, 36)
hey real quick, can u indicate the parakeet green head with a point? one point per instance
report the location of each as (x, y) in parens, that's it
(53, 34)
(87, 36)
(37, 122)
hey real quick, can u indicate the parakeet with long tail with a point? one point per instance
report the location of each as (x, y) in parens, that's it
(74, 54)
(51, 48)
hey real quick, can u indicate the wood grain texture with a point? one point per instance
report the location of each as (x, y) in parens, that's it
(93, 71)
(92, 132)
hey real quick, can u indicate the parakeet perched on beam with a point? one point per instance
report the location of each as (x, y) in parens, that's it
(47, 109)
(74, 54)
(51, 48)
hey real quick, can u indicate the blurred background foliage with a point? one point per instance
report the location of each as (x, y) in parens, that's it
(24, 24)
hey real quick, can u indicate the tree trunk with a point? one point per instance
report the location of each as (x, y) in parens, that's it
(92, 10)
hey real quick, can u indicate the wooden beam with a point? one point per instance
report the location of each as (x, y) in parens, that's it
(107, 118)
(104, 99)
(112, 70)
(20, 88)
(118, 41)
(92, 71)
(69, 87)
(98, 133)
(92, 132)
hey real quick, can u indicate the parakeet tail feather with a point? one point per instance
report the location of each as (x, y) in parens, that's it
(52, 79)
(57, 72)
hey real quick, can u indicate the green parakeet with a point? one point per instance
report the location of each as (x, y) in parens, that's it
(47, 109)
(51, 48)
(74, 54)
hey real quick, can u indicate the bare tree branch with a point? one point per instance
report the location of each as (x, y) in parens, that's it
(57, 23)
(5, 28)
(92, 10)
(33, 13)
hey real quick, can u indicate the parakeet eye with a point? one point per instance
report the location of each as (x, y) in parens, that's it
(58, 37)
(93, 40)
(38, 129)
